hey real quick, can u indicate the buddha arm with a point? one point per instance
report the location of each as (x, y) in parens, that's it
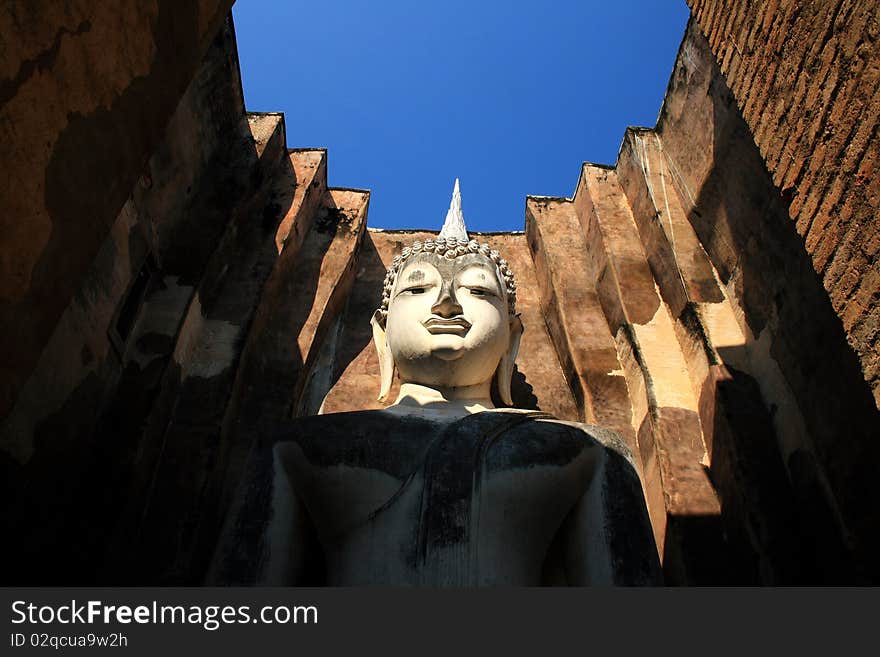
(289, 532)
(607, 537)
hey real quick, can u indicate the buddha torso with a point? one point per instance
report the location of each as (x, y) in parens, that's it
(494, 498)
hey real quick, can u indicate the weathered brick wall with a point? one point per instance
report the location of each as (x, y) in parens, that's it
(80, 445)
(806, 76)
(86, 93)
(822, 415)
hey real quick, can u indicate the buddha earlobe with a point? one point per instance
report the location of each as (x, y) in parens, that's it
(504, 373)
(386, 360)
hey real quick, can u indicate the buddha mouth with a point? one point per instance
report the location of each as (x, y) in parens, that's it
(440, 326)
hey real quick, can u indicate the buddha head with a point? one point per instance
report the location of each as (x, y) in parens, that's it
(448, 314)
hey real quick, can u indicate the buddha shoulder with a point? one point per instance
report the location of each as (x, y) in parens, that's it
(547, 441)
(358, 439)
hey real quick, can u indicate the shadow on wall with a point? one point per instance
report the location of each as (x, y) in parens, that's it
(94, 458)
(793, 478)
(167, 493)
(521, 391)
(769, 532)
(271, 381)
(763, 537)
(356, 333)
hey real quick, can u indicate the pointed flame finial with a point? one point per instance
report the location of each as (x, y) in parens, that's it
(454, 224)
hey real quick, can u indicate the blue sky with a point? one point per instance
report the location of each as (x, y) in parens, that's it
(508, 96)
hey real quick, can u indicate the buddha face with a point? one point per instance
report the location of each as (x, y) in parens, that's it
(448, 322)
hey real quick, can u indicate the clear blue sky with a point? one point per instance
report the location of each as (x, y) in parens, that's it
(509, 96)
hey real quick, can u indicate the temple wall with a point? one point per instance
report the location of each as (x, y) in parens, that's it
(80, 444)
(805, 76)
(87, 93)
(821, 411)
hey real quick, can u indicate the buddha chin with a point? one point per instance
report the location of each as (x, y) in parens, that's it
(446, 363)
(447, 347)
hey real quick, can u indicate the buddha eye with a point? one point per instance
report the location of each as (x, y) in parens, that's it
(415, 290)
(479, 292)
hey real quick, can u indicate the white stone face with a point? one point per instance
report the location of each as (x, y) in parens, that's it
(448, 323)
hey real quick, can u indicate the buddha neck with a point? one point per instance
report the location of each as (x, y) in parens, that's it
(451, 401)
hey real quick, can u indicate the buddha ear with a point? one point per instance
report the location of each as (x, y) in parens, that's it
(386, 361)
(504, 373)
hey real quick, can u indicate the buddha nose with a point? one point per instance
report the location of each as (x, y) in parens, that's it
(446, 304)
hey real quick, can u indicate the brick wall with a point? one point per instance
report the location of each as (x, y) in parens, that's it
(86, 94)
(806, 76)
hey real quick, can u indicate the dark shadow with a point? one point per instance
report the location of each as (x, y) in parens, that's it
(695, 553)
(758, 538)
(89, 479)
(182, 434)
(521, 391)
(762, 530)
(364, 299)
(268, 380)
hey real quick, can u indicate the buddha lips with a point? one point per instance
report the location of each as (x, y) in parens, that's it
(455, 326)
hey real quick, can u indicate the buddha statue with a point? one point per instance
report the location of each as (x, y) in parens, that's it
(442, 488)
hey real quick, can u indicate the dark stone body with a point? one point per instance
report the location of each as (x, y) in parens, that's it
(496, 498)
